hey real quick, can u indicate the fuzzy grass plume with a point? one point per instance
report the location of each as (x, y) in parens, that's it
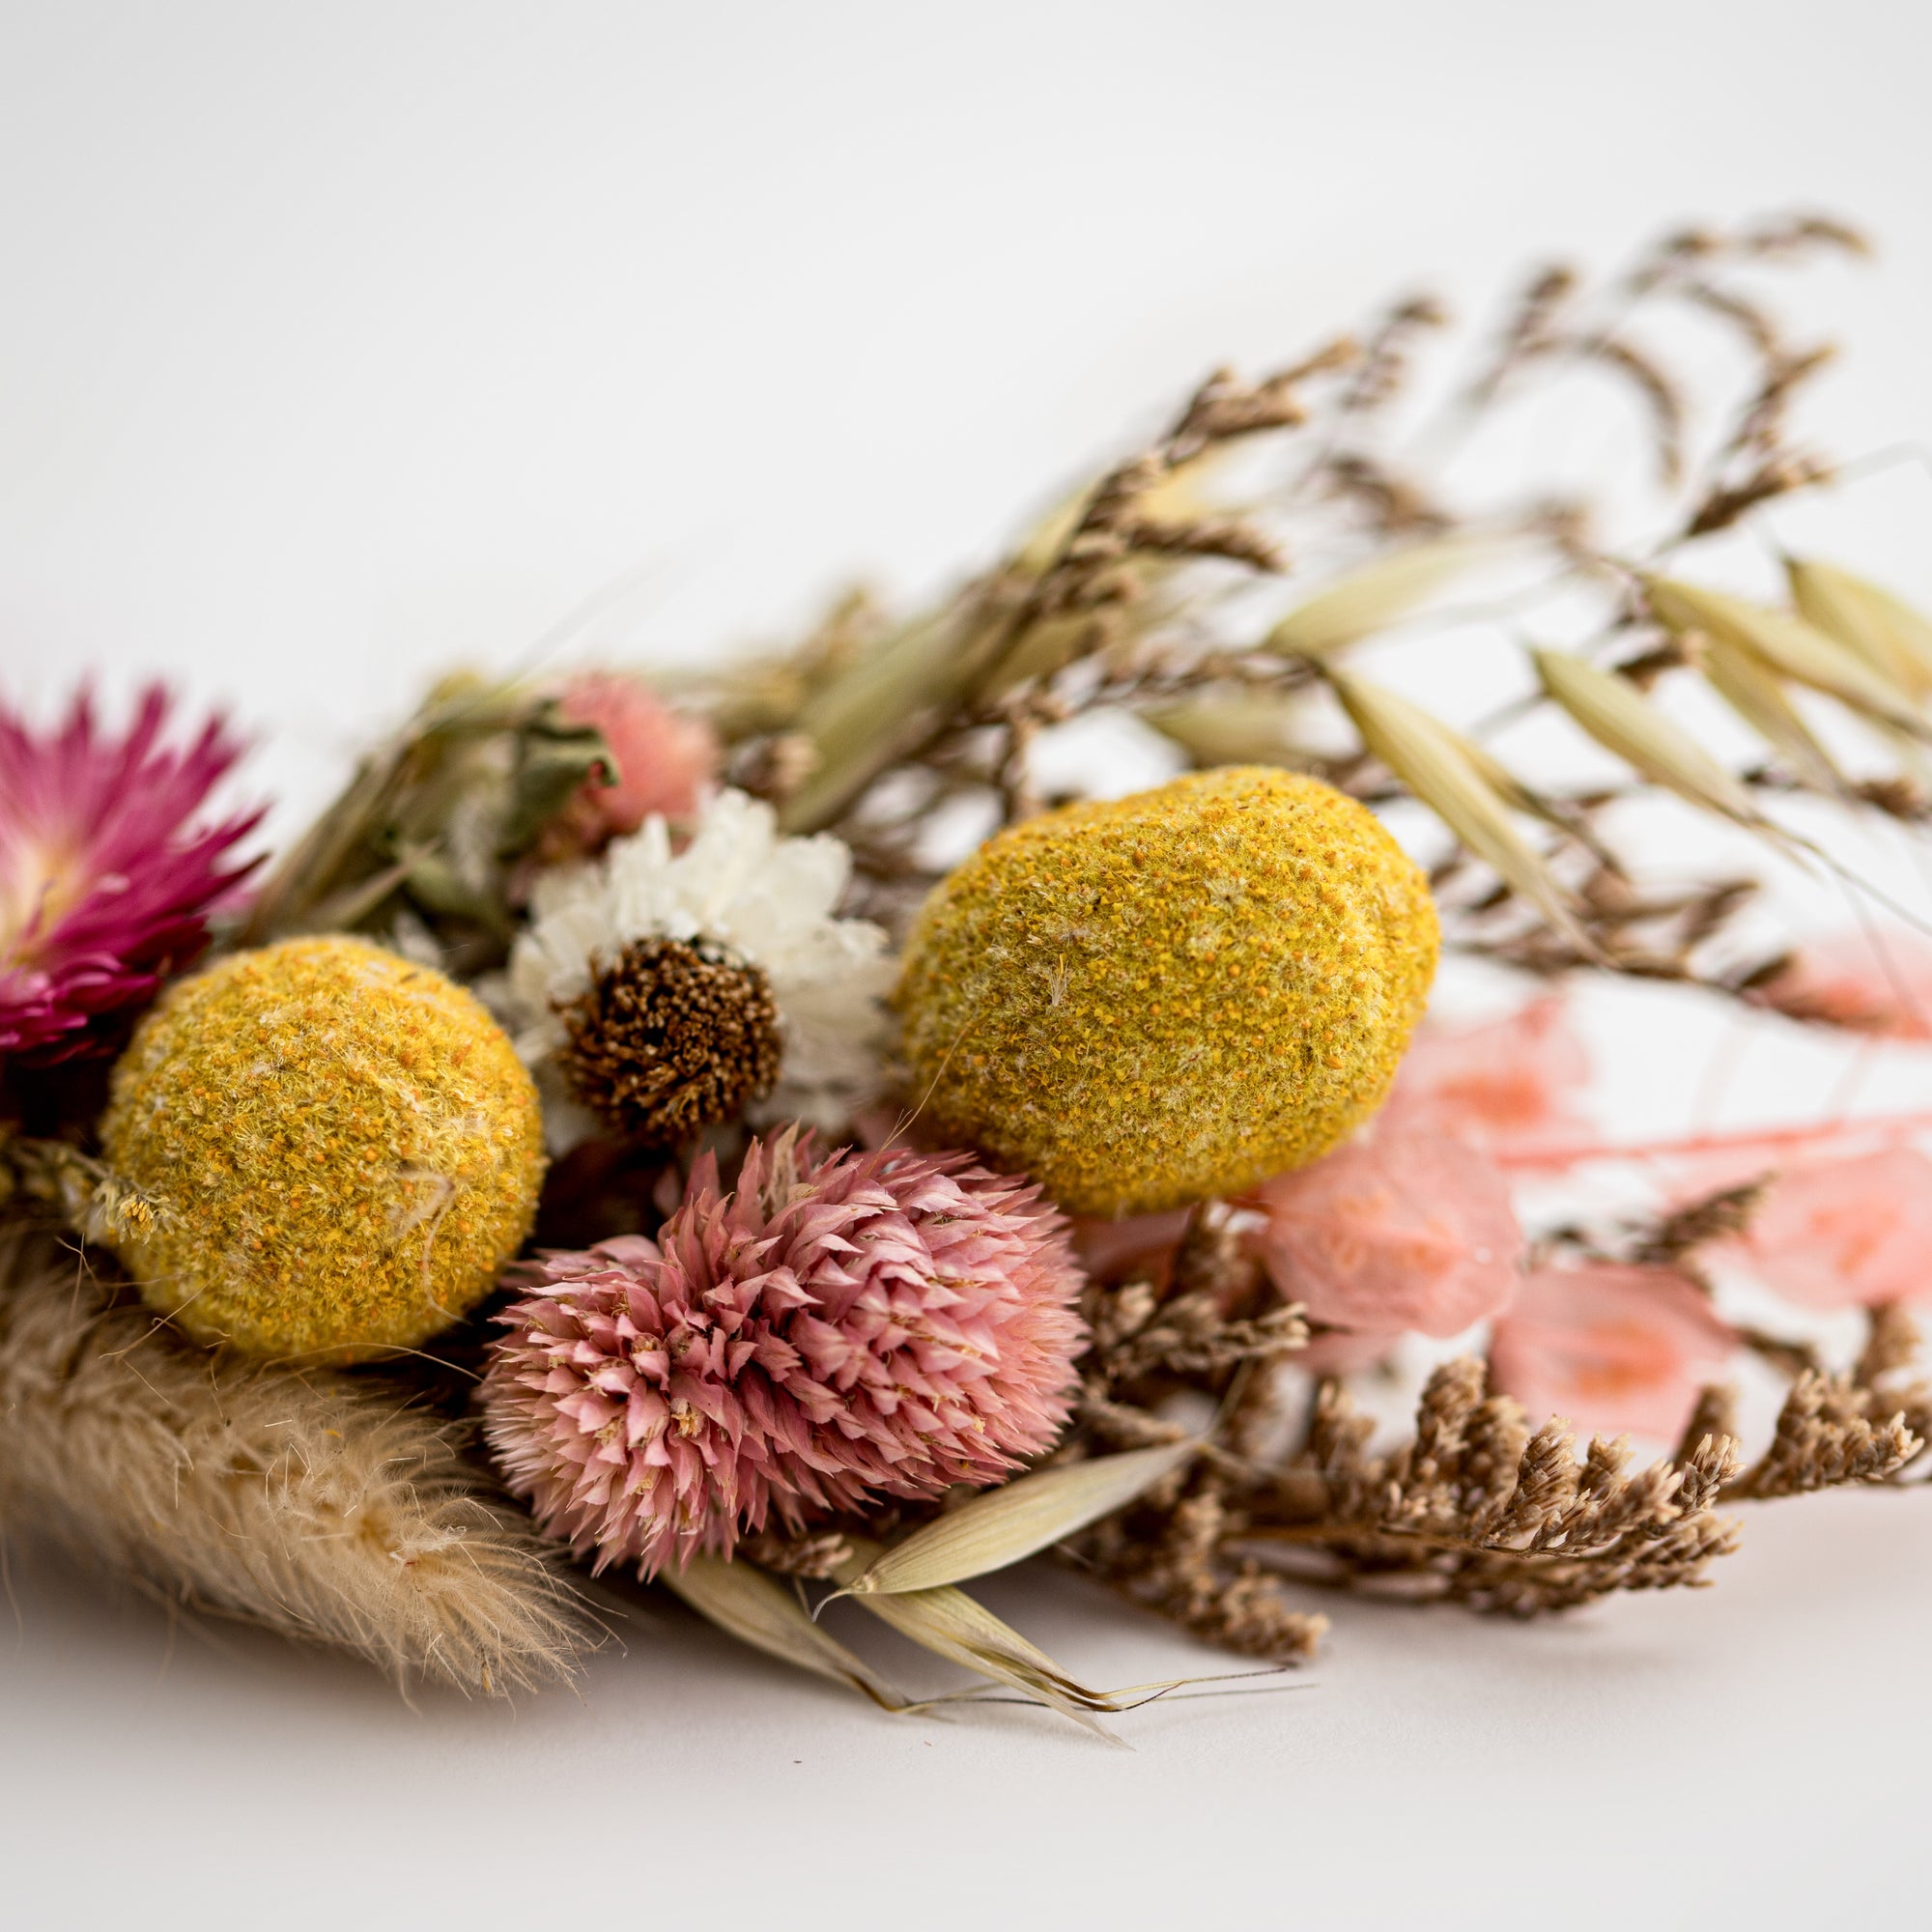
(311, 1504)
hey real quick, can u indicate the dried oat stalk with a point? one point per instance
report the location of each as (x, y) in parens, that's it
(1150, 592)
(317, 1505)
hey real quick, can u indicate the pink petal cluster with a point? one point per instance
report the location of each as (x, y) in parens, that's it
(1849, 983)
(1608, 1346)
(105, 884)
(1509, 1086)
(665, 760)
(1846, 1233)
(1407, 1229)
(840, 1329)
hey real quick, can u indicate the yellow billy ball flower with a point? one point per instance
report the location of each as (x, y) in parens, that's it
(1161, 998)
(321, 1149)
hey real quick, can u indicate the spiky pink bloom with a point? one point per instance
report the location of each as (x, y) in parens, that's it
(106, 883)
(1610, 1345)
(842, 1327)
(665, 760)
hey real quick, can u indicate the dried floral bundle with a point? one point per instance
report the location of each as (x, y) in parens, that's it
(944, 1167)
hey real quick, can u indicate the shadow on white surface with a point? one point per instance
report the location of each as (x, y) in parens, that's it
(1738, 1755)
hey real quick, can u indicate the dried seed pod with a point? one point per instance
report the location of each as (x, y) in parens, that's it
(671, 1039)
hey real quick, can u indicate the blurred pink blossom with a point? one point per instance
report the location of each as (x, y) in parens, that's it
(1338, 1351)
(1608, 1346)
(1847, 981)
(665, 759)
(1847, 1233)
(1143, 1244)
(1507, 1084)
(1407, 1229)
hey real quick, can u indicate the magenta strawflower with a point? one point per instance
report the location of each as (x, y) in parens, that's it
(842, 1327)
(105, 884)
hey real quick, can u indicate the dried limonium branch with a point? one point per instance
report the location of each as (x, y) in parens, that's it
(1477, 1509)
(316, 1505)
(1867, 1425)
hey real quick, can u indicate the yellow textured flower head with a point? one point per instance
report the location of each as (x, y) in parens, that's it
(1170, 996)
(321, 1150)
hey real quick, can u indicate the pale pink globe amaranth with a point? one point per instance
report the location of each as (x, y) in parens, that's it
(840, 1327)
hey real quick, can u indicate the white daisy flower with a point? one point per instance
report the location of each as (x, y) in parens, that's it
(668, 988)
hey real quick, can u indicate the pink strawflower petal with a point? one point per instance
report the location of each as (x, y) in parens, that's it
(842, 1327)
(1407, 1229)
(105, 881)
(1849, 981)
(1608, 1346)
(664, 762)
(1847, 1233)
(1508, 1084)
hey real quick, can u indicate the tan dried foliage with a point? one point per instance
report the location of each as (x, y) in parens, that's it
(1478, 1509)
(315, 1504)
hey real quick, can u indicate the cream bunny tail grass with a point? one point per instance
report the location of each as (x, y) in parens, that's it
(310, 1503)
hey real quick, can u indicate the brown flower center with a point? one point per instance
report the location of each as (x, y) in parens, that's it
(671, 1039)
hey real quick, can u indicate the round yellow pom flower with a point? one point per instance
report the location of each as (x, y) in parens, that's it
(1161, 998)
(321, 1149)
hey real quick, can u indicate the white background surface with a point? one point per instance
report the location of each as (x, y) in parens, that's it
(340, 342)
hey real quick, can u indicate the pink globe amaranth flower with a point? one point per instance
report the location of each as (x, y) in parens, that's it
(840, 1328)
(1407, 1229)
(1608, 1346)
(665, 760)
(1848, 981)
(1846, 1233)
(105, 885)
(1509, 1085)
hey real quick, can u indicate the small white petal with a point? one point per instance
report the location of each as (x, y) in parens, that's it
(768, 899)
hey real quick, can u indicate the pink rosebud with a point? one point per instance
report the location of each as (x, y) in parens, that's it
(665, 759)
(1506, 1085)
(1847, 1233)
(1848, 981)
(1608, 1346)
(1406, 1230)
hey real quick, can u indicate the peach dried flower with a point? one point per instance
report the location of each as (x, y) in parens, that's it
(1608, 1346)
(1847, 1233)
(664, 762)
(1407, 1229)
